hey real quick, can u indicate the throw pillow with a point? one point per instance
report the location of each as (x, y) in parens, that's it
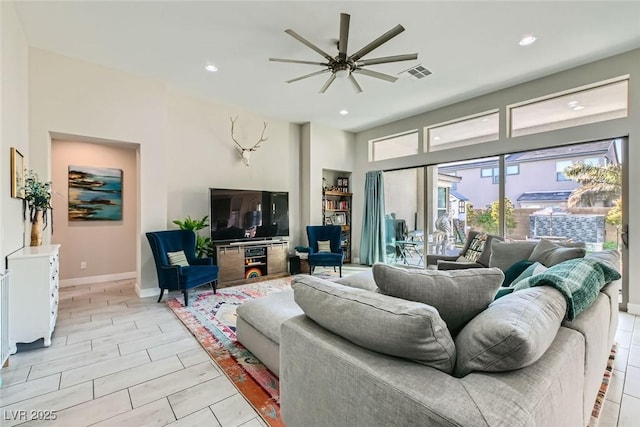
(549, 253)
(476, 247)
(458, 295)
(505, 254)
(178, 258)
(324, 245)
(515, 270)
(503, 291)
(532, 270)
(512, 333)
(381, 323)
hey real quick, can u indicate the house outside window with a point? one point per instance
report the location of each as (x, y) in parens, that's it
(494, 173)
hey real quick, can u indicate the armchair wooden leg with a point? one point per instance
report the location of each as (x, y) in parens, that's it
(186, 297)
(214, 285)
(161, 293)
(340, 270)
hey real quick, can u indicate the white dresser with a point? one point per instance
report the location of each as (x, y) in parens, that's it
(33, 296)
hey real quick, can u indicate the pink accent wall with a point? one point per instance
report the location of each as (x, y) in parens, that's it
(107, 247)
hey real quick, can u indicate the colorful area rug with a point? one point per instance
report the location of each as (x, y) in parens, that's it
(602, 393)
(212, 320)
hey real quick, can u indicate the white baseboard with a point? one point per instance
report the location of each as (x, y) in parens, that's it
(97, 279)
(633, 309)
(148, 292)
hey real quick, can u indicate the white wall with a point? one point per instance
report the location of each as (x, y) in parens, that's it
(14, 129)
(107, 247)
(185, 145)
(203, 155)
(619, 65)
(328, 149)
(87, 101)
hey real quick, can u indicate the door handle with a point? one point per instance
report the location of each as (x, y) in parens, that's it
(624, 235)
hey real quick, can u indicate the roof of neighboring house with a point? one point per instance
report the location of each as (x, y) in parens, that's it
(458, 196)
(599, 148)
(545, 196)
(592, 148)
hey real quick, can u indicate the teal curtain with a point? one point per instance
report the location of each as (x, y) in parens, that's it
(372, 242)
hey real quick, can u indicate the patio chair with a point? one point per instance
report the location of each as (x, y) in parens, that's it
(476, 253)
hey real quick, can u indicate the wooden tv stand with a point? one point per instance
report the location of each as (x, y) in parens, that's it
(251, 261)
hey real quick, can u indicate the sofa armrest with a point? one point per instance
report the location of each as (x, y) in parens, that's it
(457, 265)
(433, 259)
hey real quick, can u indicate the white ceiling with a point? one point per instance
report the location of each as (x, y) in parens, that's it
(470, 46)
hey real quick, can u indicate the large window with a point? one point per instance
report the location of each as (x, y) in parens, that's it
(577, 107)
(461, 132)
(390, 147)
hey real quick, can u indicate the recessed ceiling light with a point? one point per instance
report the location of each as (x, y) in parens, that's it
(578, 107)
(343, 112)
(572, 104)
(527, 40)
(211, 67)
(436, 138)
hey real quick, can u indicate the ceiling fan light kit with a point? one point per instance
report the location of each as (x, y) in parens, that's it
(345, 66)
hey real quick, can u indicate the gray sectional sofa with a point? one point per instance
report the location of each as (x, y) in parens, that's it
(349, 355)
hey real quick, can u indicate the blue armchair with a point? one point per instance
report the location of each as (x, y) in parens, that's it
(323, 233)
(200, 271)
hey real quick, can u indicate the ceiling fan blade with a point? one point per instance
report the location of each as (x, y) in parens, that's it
(308, 44)
(344, 36)
(295, 61)
(328, 83)
(355, 84)
(377, 42)
(375, 74)
(384, 60)
(308, 75)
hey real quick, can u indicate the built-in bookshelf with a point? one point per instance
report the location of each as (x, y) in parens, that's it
(336, 210)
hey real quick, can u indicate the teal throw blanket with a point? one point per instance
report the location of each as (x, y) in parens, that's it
(579, 280)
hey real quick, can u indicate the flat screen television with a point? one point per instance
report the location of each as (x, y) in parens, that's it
(237, 215)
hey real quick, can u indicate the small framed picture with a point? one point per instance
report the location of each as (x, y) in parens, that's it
(17, 174)
(340, 218)
(328, 221)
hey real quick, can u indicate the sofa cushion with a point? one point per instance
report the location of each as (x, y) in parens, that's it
(458, 295)
(505, 254)
(512, 333)
(532, 270)
(515, 270)
(549, 253)
(363, 280)
(377, 322)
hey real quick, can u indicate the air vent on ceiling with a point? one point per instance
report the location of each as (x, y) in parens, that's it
(417, 72)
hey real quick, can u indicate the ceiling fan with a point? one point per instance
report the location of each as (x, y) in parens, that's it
(344, 65)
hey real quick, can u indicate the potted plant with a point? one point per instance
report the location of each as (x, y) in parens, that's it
(37, 196)
(203, 244)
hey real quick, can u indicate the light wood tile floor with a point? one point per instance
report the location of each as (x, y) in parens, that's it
(116, 359)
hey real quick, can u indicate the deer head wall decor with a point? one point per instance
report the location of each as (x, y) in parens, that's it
(245, 153)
